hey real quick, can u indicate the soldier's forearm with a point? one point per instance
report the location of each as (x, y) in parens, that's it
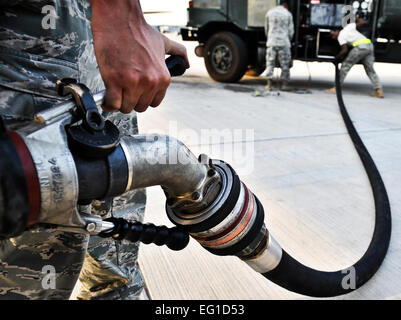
(339, 56)
(291, 31)
(342, 53)
(267, 27)
(108, 14)
(130, 54)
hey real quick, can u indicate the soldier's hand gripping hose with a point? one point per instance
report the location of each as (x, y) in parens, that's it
(49, 170)
(70, 157)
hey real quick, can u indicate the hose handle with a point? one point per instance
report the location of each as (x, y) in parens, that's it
(174, 238)
(176, 65)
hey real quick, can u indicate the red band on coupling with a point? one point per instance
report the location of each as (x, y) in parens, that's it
(236, 227)
(31, 176)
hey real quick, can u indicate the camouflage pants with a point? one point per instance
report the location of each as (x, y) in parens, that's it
(109, 267)
(42, 41)
(283, 54)
(361, 54)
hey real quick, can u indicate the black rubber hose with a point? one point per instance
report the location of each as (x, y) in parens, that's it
(296, 277)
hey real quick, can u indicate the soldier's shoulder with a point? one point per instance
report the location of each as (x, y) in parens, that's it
(279, 11)
(274, 10)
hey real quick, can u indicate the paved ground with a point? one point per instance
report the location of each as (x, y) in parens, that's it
(294, 153)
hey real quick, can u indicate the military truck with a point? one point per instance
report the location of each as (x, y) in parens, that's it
(232, 39)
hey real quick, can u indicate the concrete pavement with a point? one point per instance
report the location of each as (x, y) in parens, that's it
(295, 155)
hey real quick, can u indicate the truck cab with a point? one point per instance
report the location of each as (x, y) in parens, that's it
(232, 37)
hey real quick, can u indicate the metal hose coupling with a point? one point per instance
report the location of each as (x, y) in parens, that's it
(231, 224)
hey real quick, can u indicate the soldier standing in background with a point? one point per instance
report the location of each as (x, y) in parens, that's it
(105, 45)
(279, 28)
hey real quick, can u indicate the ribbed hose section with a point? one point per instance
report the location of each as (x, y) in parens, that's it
(296, 277)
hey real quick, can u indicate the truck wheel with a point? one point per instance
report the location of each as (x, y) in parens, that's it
(226, 57)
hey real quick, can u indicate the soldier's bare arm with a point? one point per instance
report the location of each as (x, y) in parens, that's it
(130, 54)
(343, 52)
(291, 30)
(267, 25)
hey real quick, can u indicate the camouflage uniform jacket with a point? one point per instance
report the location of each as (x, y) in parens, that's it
(279, 27)
(42, 41)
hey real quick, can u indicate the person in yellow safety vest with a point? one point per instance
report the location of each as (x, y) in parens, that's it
(362, 52)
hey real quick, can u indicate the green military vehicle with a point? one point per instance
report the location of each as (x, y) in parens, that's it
(232, 39)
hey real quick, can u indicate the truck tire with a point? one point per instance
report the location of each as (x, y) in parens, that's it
(226, 57)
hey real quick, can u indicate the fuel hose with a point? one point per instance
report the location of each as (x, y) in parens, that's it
(299, 278)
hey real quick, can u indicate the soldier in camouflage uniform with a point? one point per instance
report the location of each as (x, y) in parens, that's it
(42, 41)
(279, 28)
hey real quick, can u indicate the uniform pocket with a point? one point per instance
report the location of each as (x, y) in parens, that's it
(27, 81)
